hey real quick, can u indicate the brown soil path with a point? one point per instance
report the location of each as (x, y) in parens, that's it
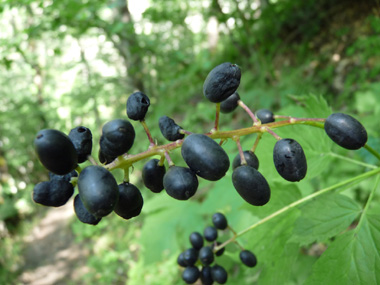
(51, 255)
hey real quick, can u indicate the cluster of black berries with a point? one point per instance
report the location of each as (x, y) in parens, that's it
(199, 260)
(98, 192)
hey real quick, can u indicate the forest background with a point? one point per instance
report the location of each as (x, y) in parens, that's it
(68, 63)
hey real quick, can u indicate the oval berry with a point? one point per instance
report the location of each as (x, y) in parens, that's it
(289, 160)
(153, 175)
(205, 157)
(220, 221)
(180, 182)
(265, 116)
(130, 201)
(221, 82)
(117, 137)
(190, 274)
(55, 151)
(346, 131)
(210, 233)
(205, 276)
(248, 258)
(196, 240)
(98, 190)
(251, 185)
(219, 274)
(250, 158)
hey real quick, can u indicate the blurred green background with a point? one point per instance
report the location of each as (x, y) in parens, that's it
(75, 62)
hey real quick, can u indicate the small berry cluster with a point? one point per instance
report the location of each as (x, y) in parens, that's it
(199, 260)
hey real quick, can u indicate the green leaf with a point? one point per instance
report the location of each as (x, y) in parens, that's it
(318, 225)
(353, 258)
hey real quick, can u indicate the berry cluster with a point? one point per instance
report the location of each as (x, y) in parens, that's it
(99, 193)
(199, 260)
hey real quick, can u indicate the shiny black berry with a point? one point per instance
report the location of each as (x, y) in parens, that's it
(250, 158)
(265, 116)
(289, 160)
(196, 240)
(221, 82)
(153, 175)
(220, 221)
(205, 157)
(53, 193)
(98, 190)
(190, 274)
(205, 276)
(210, 233)
(117, 137)
(206, 255)
(137, 106)
(180, 182)
(190, 256)
(346, 131)
(219, 274)
(56, 151)
(130, 201)
(251, 185)
(248, 258)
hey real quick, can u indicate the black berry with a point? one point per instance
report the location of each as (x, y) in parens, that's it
(219, 274)
(82, 214)
(117, 137)
(210, 233)
(190, 256)
(81, 138)
(221, 82)
(228, 105)
(248, 258)
(153, 175)
(98, 190)
(346, 131)
(265, 116)
(251, 185)
(169, 129)
(196, 240)
(206, 255)
(190, 274)
(56, 151)
(137, 106)
(205, 157)
(130, 201)
(220, 221)
(250, 158)
(289, 160)
(180, 182)
(205, 276)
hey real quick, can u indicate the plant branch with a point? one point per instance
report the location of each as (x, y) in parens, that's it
(372, 151)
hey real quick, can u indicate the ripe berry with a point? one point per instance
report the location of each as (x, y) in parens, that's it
(180, 182)
(181, 260)
(219, 274)
(137, 106)
(190, 256)
(206, 255)
(248, 258)
(220, 251)
(221, 82)
(251, 185)
(265, 116)
(210, 233)
(220, 221)
(81, 138)
(250, 158)
(53, 193)
(130, 201)
(153, 175)
(117, 137)
(190, 274)
(205, 157)
(289, 160)
(346, 131)
(169, 129)
(55, 151)
(230, 104)
(196, 240)
(82, 214)
(205, 276)
(98, 190)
